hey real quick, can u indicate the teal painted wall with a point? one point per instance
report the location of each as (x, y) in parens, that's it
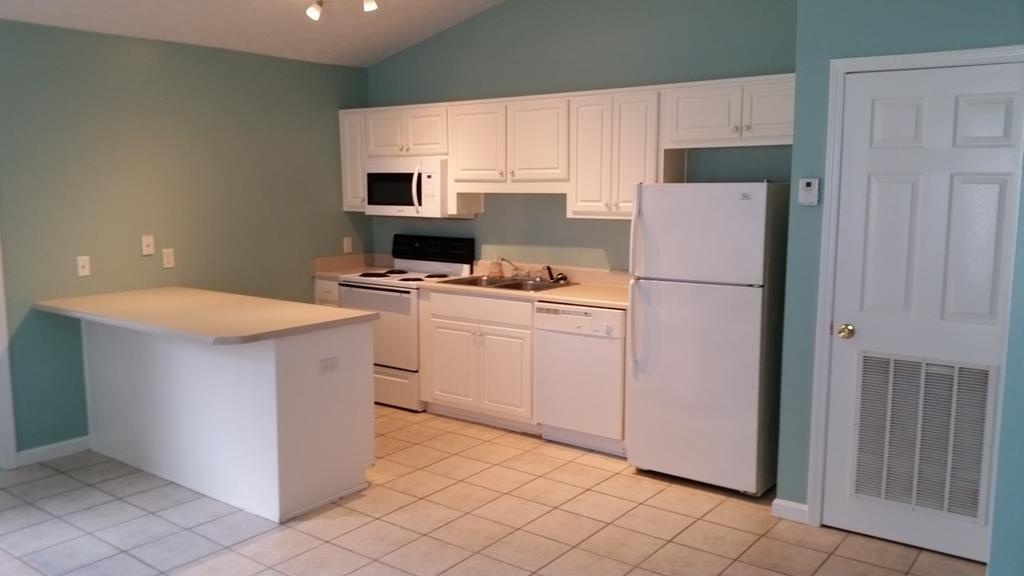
(229, 158)
(837, 29)
(537, 46)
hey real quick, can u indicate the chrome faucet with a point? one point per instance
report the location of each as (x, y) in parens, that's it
(551, 273)
(517, 271)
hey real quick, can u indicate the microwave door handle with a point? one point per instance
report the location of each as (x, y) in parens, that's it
(415, 178)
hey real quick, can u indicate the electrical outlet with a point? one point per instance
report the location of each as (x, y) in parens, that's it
(148, 245)
(346, 245)
(328, 365)
(168, 257)
(83, 266)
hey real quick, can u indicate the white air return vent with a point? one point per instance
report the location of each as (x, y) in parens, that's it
(922, 434)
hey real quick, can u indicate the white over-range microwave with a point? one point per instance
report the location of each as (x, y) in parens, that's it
(407, 186)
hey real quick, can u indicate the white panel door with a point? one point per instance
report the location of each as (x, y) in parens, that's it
(506, 372)
(635, 147)
(478, 143)
(768, 109)
(353, 161)
(701, 113)
(426, 131)
(385, 133)
(700, 232)
(592, 155)
(693, 404)
(455, 349)
(538, 140)
(929, 195)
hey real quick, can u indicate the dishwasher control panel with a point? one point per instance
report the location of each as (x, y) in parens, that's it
(579, 319)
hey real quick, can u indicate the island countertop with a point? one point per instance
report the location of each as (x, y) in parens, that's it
(204, 315)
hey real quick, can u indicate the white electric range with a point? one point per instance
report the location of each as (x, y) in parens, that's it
(393, 294)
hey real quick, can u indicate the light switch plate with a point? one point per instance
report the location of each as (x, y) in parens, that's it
(346, 245)
(168, 257)
(83, 266)
(807, 195)
(148, 245)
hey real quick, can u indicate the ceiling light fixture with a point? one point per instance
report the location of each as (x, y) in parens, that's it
(314, 10)
(369, 5)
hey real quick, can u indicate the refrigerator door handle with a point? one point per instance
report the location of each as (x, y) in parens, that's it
(634, 316)
(634, 224)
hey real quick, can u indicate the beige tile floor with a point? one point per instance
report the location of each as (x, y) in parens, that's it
(446, 497)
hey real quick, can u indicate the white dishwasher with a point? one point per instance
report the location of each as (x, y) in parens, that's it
(579, 355)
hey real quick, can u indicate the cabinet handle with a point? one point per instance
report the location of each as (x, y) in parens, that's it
(735, 128)
(513, 173)
(748, 127)
(501, 173)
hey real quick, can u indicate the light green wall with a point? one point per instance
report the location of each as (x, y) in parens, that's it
(537, 46)
(838, 29)
(229, 158)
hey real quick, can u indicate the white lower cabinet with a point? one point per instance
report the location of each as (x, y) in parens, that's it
(325, 292)
(480, 354)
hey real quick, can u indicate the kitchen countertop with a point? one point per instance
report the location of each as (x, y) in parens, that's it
(600, 295)
(582, 294)
(204, 315)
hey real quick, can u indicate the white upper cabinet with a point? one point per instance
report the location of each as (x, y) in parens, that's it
(352, 125)
(745, 112)
(615, 147)
(478, 143)
(518, 146)
(702, 113)
(538, 140)
(407, 131)
(768, 109)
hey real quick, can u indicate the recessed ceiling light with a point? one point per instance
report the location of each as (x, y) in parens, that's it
(314, 10)
(369, 5)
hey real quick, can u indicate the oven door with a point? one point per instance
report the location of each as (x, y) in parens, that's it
(394, 193)
(396, 333)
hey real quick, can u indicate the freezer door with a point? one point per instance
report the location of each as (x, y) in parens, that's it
(692, 398)
(700, 232)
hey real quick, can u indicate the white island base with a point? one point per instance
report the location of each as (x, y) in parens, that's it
(274, 426)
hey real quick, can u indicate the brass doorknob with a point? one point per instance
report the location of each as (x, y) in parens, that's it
(846, 331)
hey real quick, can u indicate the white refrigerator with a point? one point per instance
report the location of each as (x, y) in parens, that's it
(707, 263)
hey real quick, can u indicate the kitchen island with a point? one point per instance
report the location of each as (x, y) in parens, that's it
(264, 404)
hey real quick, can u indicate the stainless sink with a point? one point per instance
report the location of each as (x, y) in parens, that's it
(483, 281)
(533, 285)
(507, 283)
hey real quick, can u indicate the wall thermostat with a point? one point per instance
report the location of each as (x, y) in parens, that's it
(807, 195)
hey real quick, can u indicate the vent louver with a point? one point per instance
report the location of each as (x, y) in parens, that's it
(921, 434)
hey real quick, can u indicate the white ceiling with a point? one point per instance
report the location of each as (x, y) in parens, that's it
(344, 35)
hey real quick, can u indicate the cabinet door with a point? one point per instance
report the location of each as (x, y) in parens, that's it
(426, 131)
(455, 357)
(477, 143)
(698, 114)
(634, 148)
(506, 372)
(325, 292)
(768, 109)
(539, 141)
(385, 133)
(353, 161)
(592, 155)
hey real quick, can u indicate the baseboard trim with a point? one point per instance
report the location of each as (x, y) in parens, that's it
(795, 511)
(51, 451)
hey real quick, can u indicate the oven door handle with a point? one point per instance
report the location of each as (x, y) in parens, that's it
(416, 176)
(385, 291)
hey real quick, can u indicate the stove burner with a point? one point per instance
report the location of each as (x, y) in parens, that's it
(436, 276)
(395, 272)
(414, 279)
(373, 275)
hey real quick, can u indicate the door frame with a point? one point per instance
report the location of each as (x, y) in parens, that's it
(8, 444)
(829, 244)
